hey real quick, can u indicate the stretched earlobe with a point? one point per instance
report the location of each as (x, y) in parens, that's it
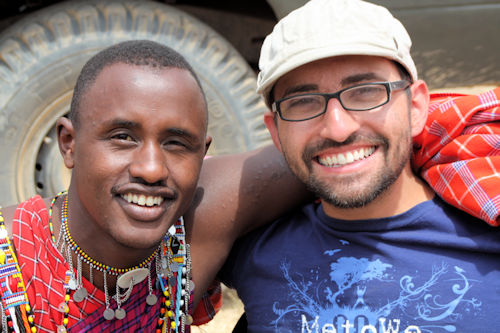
(66, 140)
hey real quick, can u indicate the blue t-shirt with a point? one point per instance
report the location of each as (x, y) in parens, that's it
(431, 269)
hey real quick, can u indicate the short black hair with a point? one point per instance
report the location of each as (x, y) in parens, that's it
(132, 52)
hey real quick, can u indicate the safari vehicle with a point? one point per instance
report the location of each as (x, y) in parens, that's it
(44, 44)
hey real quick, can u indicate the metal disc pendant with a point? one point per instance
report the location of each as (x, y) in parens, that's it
(80, 294)
(132, 277)
(189, 320)
(120, 314)
(191, 286)
(164, 262)
(174, 266)
(151, 299)
(109, 314)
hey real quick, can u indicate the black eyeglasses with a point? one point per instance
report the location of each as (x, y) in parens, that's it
(361, 97)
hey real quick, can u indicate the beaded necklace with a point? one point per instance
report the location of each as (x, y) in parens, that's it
(173, 268)
(86, 258)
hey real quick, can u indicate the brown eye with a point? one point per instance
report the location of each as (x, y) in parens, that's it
(123, 137)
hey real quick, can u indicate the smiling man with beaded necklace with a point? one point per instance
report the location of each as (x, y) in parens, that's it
(100, 258)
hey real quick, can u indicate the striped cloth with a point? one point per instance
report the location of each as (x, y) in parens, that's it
(44, 269)
(458, 153)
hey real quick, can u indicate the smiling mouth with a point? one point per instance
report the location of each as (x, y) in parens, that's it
(143, 200)
(341, 159)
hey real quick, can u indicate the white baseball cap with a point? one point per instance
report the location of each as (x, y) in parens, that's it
(327, 28)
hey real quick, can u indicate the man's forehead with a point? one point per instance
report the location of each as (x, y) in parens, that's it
(126, 88)
(336, 71)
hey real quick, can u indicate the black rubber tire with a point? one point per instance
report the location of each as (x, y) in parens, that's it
(42, 54)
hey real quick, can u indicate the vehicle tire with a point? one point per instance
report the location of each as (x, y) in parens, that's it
(41, 56)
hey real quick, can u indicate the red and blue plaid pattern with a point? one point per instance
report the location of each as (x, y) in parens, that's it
(44, 269)
(458, 153)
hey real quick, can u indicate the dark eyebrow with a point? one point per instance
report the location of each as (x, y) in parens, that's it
(358, 78)
(122, 123)
(118, 122)
(181, 132)
(348, 81)
(300, 88)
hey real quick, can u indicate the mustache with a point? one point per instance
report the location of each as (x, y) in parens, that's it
(311, 150)
(139, 184)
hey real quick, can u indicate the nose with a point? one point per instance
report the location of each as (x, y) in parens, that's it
(337, 124)
(149, 163)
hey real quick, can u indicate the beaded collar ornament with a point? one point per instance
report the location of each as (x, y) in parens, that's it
(172, 261)
(173, 267)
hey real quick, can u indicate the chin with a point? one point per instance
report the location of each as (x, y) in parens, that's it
(141, 240)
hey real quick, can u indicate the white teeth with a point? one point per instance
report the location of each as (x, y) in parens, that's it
(143, 200)
(347, 158)
(369, 151)
(341, 159)
(356, 155)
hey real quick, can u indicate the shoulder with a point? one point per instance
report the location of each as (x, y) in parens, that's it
(296, 224)
(455, 221)
(26, 210)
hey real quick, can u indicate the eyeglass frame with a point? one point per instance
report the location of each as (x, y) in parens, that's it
(390, 86)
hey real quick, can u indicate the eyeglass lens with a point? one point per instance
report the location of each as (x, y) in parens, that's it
(357, 98)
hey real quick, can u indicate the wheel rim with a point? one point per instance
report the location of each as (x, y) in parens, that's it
(40, 159)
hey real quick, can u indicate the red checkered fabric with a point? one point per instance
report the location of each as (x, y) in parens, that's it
(458, 153)
(209, 305)
(44, 268)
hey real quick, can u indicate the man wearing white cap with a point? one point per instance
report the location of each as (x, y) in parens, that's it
(379, 252)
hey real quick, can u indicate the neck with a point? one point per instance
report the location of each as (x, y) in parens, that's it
(106, 252)
(405, 193)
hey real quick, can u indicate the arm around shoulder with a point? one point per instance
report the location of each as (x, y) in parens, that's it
(237, 193)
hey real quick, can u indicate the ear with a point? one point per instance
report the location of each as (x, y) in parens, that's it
(271, 123)
(419, 106)
(208, 141)
(66, 140)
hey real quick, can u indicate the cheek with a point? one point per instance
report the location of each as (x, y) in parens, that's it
(294, 138)
(96, 170)
(185, 173)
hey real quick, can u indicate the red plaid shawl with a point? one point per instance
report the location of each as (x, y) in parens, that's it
(458, 153)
